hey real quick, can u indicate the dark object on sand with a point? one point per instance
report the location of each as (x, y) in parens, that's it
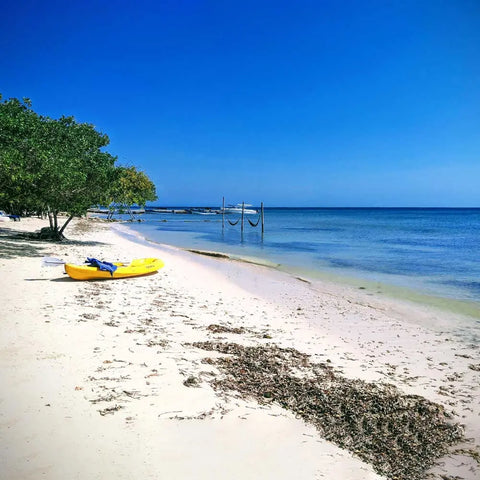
(400, 435)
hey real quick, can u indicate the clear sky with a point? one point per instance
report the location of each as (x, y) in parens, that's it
(294, 103)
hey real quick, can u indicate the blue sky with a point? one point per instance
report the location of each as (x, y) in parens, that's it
(305, 103)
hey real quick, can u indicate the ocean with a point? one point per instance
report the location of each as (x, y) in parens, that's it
(413, 252)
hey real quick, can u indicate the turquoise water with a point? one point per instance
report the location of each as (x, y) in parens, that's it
(430, 251)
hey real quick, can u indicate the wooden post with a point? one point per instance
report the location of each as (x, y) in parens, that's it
(243, 212)
(263, 218)
(223, 213)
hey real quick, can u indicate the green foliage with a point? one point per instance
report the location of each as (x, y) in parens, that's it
(20, 159)
(57, 165)
(76, 172)
(131, 187)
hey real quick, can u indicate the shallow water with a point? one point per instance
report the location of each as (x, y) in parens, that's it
(429, 251)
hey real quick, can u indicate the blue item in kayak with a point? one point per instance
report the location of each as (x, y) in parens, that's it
(105, 266)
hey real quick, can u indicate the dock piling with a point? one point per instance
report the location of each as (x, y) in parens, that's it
(263, 218)
(243, 213)
(223, 213)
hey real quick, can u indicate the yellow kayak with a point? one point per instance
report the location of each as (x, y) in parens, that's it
(140, 266)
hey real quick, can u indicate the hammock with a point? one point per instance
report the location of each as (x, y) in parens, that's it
(254, 224)
(233, 223)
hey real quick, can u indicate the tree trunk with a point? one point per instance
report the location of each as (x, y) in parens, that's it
(64, 226)
(50, 219)
(52, 232)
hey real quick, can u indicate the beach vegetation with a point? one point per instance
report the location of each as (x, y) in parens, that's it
(130, 187)
(59, 166)
(19, 159)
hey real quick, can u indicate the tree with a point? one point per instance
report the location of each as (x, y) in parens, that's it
(77, 174)
(20, 129)
(51, 166)
(131, 187)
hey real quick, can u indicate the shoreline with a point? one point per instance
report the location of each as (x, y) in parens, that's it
(415, 274)
(395, 293)
(126, 346)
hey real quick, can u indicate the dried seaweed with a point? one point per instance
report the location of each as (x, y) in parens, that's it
(110, 410)
(400, 435)
(214, 328)
(191, 381)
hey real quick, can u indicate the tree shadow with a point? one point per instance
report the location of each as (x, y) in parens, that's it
(18, 243)
(19, 248)
(88, 243)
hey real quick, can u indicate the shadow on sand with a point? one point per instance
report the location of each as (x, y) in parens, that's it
(66, 278)
(17, 243)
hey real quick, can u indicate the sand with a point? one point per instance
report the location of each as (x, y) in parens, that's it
(97, 377)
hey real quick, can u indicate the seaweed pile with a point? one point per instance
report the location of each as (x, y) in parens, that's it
(214, 328)
(400, 435)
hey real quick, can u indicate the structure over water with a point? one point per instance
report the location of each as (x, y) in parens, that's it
(243, 209)
(240, 208)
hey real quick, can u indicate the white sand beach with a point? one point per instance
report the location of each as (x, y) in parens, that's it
(100, 380)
